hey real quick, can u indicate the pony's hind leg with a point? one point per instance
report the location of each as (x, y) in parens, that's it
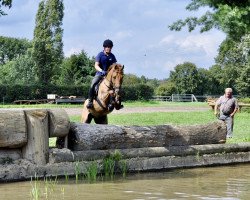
(101, 120)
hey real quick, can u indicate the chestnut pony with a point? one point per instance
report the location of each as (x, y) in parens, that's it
(107, 98)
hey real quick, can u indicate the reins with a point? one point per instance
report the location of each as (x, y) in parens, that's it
(110, 87)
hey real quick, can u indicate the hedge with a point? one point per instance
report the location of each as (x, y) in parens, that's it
(10, 93)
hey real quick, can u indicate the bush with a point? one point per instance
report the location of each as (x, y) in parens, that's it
(137, 92)
(245, 100)
(10, 93)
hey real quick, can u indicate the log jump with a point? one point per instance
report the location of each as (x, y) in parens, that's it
(101, 137)
(25, 151)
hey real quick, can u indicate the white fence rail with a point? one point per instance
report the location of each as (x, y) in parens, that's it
(184, 98)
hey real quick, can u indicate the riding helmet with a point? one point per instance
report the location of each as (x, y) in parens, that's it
(107, 43)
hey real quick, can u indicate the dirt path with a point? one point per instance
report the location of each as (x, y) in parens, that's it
(77, 111)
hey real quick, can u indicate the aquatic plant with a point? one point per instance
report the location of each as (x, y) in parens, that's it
(77, 171)
(35, 190)
(92, 171)
(124, 167)
(109, 166)
(114, 162)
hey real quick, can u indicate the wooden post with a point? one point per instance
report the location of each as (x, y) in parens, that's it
(37, 148)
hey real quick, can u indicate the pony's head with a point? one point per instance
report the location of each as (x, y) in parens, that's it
(115, 76)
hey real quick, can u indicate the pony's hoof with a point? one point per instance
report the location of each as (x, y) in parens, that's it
(119, 107)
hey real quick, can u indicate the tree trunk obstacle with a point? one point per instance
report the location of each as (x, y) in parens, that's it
(25, 151)
(28, 132)
(101, 137)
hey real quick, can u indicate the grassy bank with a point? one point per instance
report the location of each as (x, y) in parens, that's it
(241, 128)
(127, 104)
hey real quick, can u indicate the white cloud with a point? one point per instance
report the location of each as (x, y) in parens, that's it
(202, 42)
(167, 40)
(121, 35)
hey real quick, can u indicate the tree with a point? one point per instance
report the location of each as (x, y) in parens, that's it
(185, 77)
(20, 70)
(234, 59)
(47, 42)
(230, 16)
(216, 83)
(243, 81)
(131, 79)
(11, 48)
(77, 69)
(166, 88)
(6, 3)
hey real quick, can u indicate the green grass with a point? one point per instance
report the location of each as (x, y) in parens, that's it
(162, 103)
(241, 128)
(48, 105)
(158, 118)
(127, 104)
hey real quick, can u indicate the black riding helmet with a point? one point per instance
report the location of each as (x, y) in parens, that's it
(107, 43)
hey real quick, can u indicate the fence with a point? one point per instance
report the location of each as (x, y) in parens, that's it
(184, 98)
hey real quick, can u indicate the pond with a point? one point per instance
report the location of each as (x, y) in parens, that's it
(226, 182)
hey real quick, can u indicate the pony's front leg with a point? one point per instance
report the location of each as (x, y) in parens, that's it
(86, 115)
(118, 103)
(101, 120)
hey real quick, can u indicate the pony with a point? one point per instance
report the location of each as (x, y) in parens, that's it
(107, 97)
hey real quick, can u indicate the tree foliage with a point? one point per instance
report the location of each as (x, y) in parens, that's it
(11, 48)
(77, 69)
(6, 3)
(185, 77)
(166, 88)
(230, 16)
(47, 42)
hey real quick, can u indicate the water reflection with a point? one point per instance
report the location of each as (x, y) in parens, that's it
(231, 182)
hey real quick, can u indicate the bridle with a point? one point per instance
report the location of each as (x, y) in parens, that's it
(112, 86)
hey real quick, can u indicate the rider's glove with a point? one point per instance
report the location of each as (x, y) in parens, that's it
(103, 73)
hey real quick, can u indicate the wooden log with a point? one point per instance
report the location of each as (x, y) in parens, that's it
(37, 148)
(101, 137)
(8, 156)
(13, 133)
(59, 123)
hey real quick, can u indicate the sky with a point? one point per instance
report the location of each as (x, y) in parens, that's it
(139, 30)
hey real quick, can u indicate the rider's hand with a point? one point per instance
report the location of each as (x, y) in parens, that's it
(103, 73)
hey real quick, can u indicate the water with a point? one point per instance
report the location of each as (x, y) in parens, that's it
(211, 183)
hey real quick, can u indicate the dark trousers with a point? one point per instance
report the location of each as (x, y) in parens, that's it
(94, 82)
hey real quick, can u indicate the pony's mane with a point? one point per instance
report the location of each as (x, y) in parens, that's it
(114, 65)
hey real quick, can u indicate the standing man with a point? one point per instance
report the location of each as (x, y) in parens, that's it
(102, 62)
(228, 106)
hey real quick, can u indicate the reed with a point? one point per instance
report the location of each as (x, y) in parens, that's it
(124, 167)
(77, 171)
(92, 171)
(35, 189)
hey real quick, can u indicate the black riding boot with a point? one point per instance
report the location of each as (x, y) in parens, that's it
(90, 104)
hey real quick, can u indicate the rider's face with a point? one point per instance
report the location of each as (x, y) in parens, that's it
(107, 50)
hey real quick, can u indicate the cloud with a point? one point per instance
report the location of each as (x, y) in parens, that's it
(205, 42)
(121, 35)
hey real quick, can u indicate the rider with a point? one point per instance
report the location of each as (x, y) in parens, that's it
(102, 62)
